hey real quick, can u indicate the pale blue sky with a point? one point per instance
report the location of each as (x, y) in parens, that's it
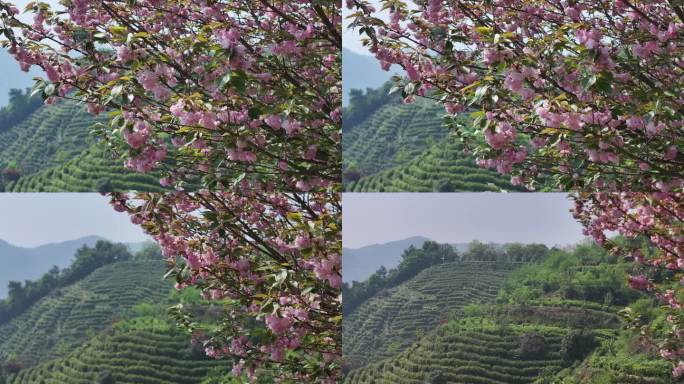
(32, 219)
(372, 218)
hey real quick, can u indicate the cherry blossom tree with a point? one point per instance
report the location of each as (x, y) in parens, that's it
(585, 92)
(572, 95)
(239, 103)
(271, 259)
(653, 224)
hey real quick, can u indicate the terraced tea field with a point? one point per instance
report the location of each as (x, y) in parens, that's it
(441, 168)
(67, 318)
(92, 170)
(481, 322)
(392, 320)
(405, 147)
(394, 135)
(53, 151)
(139, 357)
(467, 352)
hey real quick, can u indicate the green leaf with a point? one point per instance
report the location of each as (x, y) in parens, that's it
(604, 83)
(38, 87)
(479, 94)
(484, 30)
(49, 90)
(588, 81)
(117, 30)
(254, 112)
(280, 278)
(116, 91)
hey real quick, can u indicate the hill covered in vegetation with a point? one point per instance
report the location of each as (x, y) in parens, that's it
(46, 148)
(359, 263)
(390, 146)
(101, 320)
(513, 314)
(29, 263)
(362, 72)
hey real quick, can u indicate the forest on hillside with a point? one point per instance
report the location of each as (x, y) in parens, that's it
(104, 319)
(516, 313)
(390, 146)
(50, 148)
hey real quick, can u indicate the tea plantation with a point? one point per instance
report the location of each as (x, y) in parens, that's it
(405, 147)
(392, 135)
(440, 168)
(68, 317)
(142, 356)
(109, 327)
(551, 320)
(52, 150)
(392, 320)
(92, 170)
(469, 351)
(48, 137)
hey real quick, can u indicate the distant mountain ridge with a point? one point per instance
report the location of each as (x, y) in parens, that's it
(19, 263)
(361, 72)
(359, 263)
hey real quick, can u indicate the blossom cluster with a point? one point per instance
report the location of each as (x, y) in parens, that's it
(217, 97)
(288, 280)
(654, 219)
(590, 90)
(222, 84)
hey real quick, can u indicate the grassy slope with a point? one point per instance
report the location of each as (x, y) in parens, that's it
(68, 317)
(84, 172)
(392, 320)
(406, 148)
(396, 336)
(90, 329)
(54, 151)
(141, 356)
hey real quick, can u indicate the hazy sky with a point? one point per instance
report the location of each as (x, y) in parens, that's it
(32, 219)
(372, 218)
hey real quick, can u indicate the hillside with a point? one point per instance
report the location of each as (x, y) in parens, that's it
(110, 326)
(21, 264)
(147, 355)
(359, 263)
(478, 350)
(92, 170)
(395, 318)
(551, 320)
(52, 150)
(361, 72)
(440, 168)
(390, 146)
(62, 321)
(392, 135)
(48, 137)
